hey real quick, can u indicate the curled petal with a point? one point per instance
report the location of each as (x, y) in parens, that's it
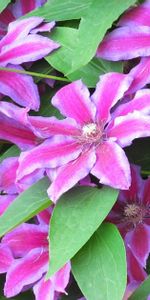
(25, 271)
(30, 48)
(125, 43)
(127, 128)
(44, 27)
(61, 278)
(70, 174)
(73, 100)
(44, 290)
(110, 157)
(52, 153)
(109, 90)
(19, 87)
(25, 238)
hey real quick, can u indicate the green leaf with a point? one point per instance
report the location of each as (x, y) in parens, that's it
(62, 10)
(25, 206)
(12, 151)
(100, 266)
(142, 292)
(61, 60)
(76, 216)
(3, 4)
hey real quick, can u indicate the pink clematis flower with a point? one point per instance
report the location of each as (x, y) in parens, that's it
(134, 30)
(28, 262)
(131, 214)
(22, 44)
(90, 139)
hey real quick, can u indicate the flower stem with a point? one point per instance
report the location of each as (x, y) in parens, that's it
(35, 74)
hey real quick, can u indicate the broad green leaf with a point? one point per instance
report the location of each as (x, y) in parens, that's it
(12, 151)
(93, 26)
(3, 4)
(142, 292)
(25, 206)
(76, 216)
(61, 60)
(100, 266)
(62, 10)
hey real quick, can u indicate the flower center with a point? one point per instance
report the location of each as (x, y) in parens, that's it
(134, 213)
(89, 130)
(91, 133)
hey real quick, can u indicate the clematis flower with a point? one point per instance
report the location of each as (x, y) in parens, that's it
(90, 139)
(131, 214)
(134, 30)
(28, 262)
(22, 44)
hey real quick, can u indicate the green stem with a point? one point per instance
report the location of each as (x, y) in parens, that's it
(35, 74)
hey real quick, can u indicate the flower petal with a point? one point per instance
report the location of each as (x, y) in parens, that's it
(127, 128)
(30, 48)
(110, 157)
(52, 153)
(70, 174)
(135, 270)
(138, 15)
(22, 7)
(138, 241)
(44, 290)
(19, 87)
(61, 278)
(35, 236)
(109, 90)
(52, 126)
(6, 258)
(45, 215)
(136, 42)
(73, 100)
(8, 170)
(5, 201)
(140, 74)
(25, 271)
(19, 29)
(141, 103)
(146, 191)
(44, 27)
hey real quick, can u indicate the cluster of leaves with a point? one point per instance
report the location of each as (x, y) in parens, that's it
(77, 231)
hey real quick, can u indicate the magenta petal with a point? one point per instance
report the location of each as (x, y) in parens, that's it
(52, 153)
(136, 42)
(141, 103)
(6, 258)
(44, 290)
(109, 90)
(61, 278)
(19, 87)
(140, 74)
(8, 170)
(30, 179)
(19, 29)
(73, 100)
(52, 126)
(22, 7)
(25, 271)
(44, 27)
(44, 216)
(146, 192)
(30, 48)
(110, 157)
(5, 201)
(70, 174)
(35, 236)
(135, 269)
(138, 241)
(127, 128)
(138, 15)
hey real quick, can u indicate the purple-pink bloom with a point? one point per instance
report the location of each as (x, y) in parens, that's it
(89, 139)
(131, 214)
(22, 44)
(27, 262)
